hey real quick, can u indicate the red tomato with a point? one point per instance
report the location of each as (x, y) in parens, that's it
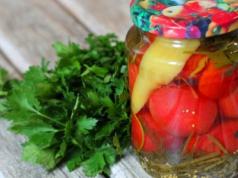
(133, 70)
(149, 145)
(229, 136)
(194, 66)
(180, 111)
(216, 82)
(160, 137)
(202, 144)
(141, 140)
(225, 133)
(137, 134)
(148, 122)
(229, 105)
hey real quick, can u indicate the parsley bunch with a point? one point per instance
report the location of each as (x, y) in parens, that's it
(77, 112)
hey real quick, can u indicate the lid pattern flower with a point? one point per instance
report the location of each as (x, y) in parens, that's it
(185, 19)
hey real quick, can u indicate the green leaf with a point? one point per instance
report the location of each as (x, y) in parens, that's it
(23, 99)
(93, 97)
(70, 112)
(74, 161)
(106, 130)
(68, 130)
(116, 143)
(65, 51)
(106, 101)
(120, 86)
(36, 155)
(42, 140)
(62, 150)
(32, 127)
(99, 161)
(84, 125)
(99, 71)
(3, 108)
(38, 132)
(34, 75)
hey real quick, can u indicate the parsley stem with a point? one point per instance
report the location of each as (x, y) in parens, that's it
(75, 107)
(46, 117)
(75, 142)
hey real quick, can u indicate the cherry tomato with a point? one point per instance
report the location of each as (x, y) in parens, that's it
(148, 122)
(202, 144)
(229, 135)
(225, 134)
(149, 145)
(180, 111)
(194, 66)
(137, 134)
(217, 82)
(160, 137)
(140, 140)
(229, 105)
(133, 70)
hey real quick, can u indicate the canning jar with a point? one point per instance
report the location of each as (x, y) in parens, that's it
(183, 81)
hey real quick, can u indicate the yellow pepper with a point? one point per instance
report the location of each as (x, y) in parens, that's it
(161, 63)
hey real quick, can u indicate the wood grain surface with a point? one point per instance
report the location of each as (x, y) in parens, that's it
(102, 16)
(27, 30)
(29, 27)
(5, 63)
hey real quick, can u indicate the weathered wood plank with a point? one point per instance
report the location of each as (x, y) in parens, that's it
(29, 27)
(6, 65)
(101, 16)
(129, 167)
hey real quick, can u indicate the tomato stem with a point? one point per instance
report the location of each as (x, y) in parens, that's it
(187, 142)
(216, 142)
(143, 135)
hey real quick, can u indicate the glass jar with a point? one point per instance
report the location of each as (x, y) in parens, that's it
(183, 82)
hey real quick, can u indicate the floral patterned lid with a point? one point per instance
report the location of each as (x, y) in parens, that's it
(185, 19)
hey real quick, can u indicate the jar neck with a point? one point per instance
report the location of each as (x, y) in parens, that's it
(137, 38)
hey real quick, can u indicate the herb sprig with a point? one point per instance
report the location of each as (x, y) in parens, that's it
(76, 113)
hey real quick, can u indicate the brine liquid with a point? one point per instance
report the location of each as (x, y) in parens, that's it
(185, 108)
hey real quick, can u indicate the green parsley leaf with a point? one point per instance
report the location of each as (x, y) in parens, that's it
(99, 161)
(34, 154)
(75, 160)
(25, 127)
(76, 112)
(84, 125)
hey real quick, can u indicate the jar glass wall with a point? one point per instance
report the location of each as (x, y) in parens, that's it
(184, 103)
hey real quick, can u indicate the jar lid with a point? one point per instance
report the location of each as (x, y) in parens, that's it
(185, 19)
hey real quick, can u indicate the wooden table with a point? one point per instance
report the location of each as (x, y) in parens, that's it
(27, 30)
